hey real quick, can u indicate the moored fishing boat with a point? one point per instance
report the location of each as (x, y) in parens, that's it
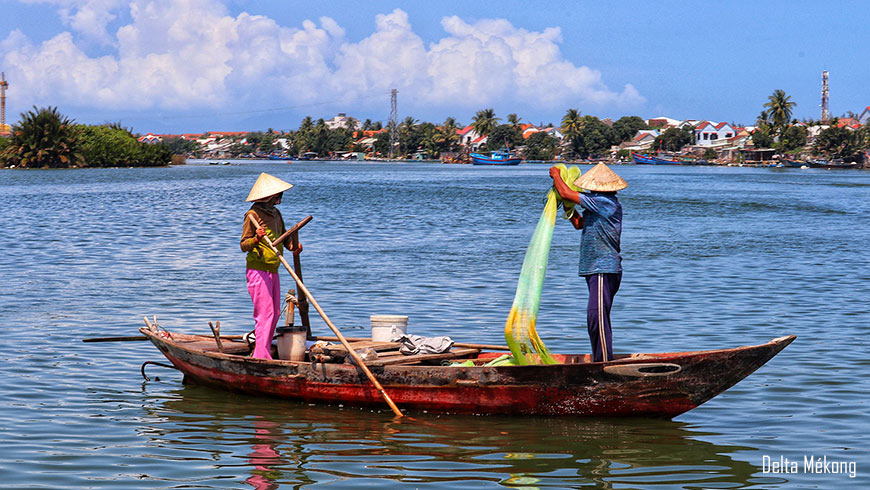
(832, 164)
(497, 157)
(665, 161)
(642, 159)
(788, 162)
(652, 385)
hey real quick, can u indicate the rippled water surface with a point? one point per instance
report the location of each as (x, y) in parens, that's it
(713, 257)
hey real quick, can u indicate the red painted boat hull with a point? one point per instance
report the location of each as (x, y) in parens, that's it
(649, 385)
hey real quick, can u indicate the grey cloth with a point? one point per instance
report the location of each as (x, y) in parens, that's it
(417, 344)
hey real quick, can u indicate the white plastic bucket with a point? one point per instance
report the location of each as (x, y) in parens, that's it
(388, 327)
(291, 342)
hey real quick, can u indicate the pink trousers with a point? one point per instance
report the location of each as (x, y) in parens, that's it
(265, 290)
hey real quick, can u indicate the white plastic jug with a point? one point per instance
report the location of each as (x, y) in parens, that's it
(385, 328)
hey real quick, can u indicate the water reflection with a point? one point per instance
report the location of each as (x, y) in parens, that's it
(265, 458)
(297, 444)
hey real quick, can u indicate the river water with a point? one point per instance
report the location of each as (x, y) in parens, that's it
(713, 258)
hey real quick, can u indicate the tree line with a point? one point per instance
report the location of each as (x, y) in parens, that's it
(45, 138)
(775, 128)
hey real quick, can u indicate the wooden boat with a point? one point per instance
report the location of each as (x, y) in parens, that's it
(788, 162)
(650, 385)
(836, 163)
(665, 161)
(497, 157)
(642, 159)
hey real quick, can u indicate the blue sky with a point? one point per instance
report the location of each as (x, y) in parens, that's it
(195, 65)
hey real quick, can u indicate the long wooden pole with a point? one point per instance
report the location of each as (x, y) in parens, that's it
(302, 298)
(356, 358)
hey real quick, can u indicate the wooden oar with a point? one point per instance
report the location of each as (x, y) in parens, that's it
(356, 358)
(116, 339)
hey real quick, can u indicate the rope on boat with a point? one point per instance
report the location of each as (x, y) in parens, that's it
(288, 299)
(142, 369)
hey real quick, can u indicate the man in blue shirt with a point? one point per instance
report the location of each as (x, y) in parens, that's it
(600, 262)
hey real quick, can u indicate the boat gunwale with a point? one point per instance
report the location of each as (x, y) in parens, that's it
(636, 358)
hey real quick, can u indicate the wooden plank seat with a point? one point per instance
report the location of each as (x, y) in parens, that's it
(392, 360)
(338, 350)
(229, 347)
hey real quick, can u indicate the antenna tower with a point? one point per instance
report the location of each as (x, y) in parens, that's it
(3, 85)
(393, 124)
(825, 114)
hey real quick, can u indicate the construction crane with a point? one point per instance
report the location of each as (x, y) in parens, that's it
(825, 114)
(3, 85)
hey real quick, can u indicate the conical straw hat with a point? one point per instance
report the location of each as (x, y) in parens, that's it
(266, 186)
(601, 179)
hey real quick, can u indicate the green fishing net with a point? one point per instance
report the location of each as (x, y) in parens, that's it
(519, 331)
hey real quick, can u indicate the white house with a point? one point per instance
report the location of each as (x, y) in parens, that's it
(708, 133)
(341, 121)
(467, 135)
(642, 140)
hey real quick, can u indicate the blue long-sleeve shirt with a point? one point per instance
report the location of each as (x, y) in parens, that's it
(602, 227)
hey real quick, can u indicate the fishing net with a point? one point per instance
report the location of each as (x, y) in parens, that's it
(522, 338)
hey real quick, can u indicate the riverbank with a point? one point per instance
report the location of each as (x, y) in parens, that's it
(443, 245)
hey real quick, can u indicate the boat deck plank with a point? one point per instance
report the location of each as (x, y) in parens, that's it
(211, 346)
(413, 359)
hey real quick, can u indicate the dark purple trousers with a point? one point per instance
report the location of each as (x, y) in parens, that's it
(602, 289)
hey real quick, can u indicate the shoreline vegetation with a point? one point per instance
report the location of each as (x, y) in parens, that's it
(45, 138)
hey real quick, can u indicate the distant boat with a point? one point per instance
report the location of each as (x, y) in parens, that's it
(666, 161)
(497, 157)
(642, 159)
(308, 155)
(836, 163)
(787, 162)
(653, 160)
(688, 160)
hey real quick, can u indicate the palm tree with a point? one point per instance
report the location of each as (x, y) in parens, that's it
(572, 124)
(447, 136)
(484, 121)
(780, 106)
(408, 124)
(763, 119)
(514, 120)
(44, 138)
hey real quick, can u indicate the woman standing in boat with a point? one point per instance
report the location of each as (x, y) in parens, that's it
(600, 261)
(262, 264)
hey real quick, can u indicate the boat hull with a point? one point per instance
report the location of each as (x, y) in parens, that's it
(642, 159)
(482, 160)
(665, 161)
(831, 165)
(575, 388)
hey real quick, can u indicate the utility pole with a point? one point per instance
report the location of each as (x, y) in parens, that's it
(825, 114)
(3, 85)
(393, 124)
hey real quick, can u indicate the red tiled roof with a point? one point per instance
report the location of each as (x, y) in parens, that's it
(464, 130)
(368, 132)
(227, 133)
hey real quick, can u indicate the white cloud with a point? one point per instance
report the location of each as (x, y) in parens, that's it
(90, 18)
(193, 54)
